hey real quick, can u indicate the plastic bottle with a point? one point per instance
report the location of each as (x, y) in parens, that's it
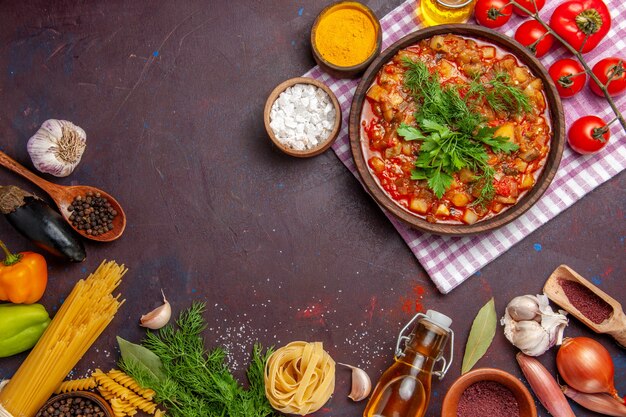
(404, 389)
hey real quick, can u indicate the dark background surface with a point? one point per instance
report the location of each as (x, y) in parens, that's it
(171, 96)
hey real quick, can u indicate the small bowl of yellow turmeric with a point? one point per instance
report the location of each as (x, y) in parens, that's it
(346, 37)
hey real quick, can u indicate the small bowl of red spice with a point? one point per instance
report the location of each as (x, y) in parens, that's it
(488, 392)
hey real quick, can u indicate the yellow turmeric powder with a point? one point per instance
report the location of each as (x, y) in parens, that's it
(345, 35)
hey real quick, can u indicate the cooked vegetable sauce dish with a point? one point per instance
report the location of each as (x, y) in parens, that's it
(455, 129)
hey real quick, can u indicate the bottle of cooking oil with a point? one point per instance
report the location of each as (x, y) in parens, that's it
(404, 389)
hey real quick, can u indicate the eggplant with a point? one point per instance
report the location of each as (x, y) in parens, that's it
(36, 220)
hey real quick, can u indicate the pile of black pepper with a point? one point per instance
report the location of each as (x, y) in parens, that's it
(70, 407)
(92, 213)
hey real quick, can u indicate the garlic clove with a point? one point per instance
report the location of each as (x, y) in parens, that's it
(524, 307)
(57, 147)
(361, 383)
(158, 317)
(531, 338)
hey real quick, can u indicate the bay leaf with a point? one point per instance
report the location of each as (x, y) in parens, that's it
(480, 336)
(141, 356)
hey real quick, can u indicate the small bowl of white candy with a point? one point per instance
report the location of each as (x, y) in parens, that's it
(302, 117)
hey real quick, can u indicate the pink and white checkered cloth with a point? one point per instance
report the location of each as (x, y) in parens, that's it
(451, 260)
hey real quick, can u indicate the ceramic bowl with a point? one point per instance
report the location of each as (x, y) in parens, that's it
(321, 147)
(553, 103)
(95, 398)
(355, 70)
(524, 399)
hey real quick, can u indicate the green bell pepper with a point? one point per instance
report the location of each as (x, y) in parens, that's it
(21, 326)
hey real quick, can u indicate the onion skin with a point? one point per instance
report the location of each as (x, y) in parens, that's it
(544, 386)
(600, 403)
(586, 366)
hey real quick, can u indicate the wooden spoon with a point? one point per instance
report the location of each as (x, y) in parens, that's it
(615, 325)
(64, 195)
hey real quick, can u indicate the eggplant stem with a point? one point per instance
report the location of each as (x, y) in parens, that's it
(11, 258)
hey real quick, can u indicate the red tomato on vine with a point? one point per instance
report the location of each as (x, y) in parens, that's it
(569, 76)
(588, 134)
(610, 68)
(492, 13)
(528, 4)
(535, 37)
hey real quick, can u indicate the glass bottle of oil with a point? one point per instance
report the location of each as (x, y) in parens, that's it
(404, 389)
(438, 12)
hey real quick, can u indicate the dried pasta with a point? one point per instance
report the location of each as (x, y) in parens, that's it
(111, 386)
(107, 395)
(299, 378)
(114, 389)
(84, 315)
(76, 385)
(118, 407)
(129, 382)
(159, 413)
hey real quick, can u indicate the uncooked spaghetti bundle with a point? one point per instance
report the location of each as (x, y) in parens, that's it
(84, 315)
(299, 378)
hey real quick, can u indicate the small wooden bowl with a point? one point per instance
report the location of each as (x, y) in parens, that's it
(355, 70)
(101, 402)
(524, 399)
(553, 159)
(321, 147)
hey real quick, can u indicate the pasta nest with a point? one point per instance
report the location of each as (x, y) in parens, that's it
(299, 378)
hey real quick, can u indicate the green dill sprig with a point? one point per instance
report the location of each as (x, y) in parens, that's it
(500, 94)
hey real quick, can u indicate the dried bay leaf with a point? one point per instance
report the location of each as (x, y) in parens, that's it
(480, 336)
(142, 357)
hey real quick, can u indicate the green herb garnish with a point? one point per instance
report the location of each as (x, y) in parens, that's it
(452, 132)
(500, 94)
(195, 382)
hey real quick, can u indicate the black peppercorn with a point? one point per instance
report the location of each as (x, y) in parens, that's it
(92, 213)
(72, 407)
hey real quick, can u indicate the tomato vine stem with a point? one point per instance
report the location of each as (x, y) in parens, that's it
(579, 56)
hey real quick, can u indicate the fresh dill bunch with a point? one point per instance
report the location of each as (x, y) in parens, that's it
(197, 377)
(443, 105)
(500, 94)
(417, 78)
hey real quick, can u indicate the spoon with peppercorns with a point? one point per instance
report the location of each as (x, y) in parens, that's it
(90, 211)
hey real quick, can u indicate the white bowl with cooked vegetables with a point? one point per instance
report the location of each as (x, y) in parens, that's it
(456, 129)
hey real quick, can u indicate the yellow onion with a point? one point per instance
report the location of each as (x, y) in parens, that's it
(586, 366)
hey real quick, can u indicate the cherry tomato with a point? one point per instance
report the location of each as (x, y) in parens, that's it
(569, 76)
(492, 13)
(588, 134)
(610, 68)
(528, 4)
(535, 37)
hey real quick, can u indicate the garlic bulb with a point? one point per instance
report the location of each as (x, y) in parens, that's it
(531, 325)
(56, 148)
